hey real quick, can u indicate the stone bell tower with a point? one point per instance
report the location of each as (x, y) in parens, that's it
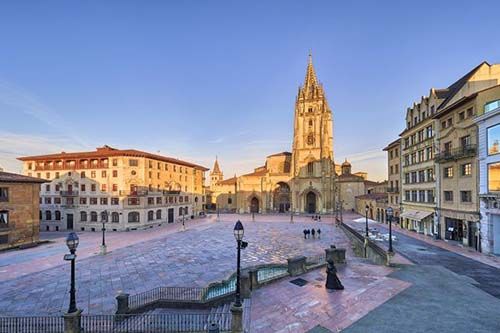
(313, 133)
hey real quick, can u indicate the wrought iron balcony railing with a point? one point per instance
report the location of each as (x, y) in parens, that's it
(69, 193)
(456, 153)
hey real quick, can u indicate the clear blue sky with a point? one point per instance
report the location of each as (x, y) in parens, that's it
(195, 79)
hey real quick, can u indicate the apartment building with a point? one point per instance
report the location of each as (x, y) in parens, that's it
(128, 188)
(417, 174)
(393, 176)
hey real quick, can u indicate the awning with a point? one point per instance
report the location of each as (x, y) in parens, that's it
(417, 215)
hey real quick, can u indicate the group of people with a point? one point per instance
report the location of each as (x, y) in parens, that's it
(312, 232)
(316, 218)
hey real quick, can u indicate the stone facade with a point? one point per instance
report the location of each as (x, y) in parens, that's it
(128, 188)
(19, 206)
(440, 170)
(305, 180)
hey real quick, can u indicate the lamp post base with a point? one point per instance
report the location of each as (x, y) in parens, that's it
(72, 322)
(104, 250)
(237, 319)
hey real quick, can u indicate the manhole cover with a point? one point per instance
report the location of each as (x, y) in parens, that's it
(299, 282)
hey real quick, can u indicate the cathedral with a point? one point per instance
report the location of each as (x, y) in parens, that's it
(307, 180)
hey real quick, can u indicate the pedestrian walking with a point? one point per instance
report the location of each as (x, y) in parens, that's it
(319, 233)
(319, 218)
(305, 233)
(313, 233)
(308, 233)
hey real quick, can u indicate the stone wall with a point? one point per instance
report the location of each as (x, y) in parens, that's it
(23, 211)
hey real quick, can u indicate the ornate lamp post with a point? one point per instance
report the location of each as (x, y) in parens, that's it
(238, 235)
(104, 219)
(366, 217)
(72, 242)
(389, 213)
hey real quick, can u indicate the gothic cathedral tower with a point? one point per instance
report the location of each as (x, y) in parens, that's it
(313, 133)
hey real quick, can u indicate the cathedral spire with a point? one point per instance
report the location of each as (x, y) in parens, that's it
(216, 169)
(311, 79)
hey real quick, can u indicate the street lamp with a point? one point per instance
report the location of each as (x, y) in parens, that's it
(366, 216)
(72, 243)
(183, 220)
(238, 235)
(389, 212)
(104, 219)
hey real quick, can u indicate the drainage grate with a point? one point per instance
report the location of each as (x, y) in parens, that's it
(299, 282)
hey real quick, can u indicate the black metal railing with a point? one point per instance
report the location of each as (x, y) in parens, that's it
(178, 294)
(158, 323)
(393, 189)
(36, 324)
(71, 193)
(456, 153)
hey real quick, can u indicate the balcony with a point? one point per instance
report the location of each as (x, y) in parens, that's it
(393, 190)
(70, 206)
(456, 153)
(68, 193)
(137, 193)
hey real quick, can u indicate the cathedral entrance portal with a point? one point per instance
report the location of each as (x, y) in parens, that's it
(282, 197)
(254, 205)
(311, 202)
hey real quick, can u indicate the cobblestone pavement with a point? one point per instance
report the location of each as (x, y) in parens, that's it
(36, 281)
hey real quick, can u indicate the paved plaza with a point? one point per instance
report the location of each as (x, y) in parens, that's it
(433, 283)
(36, 281)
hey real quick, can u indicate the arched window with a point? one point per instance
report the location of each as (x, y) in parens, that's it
(195, 199)
(181, 211)
(310, 168)
(115, 217)
(158, 214)
(186, 210)
(93, 216)
(104, 216)
(83, 216)
(150, 215)
(133, 217)
(48, 215)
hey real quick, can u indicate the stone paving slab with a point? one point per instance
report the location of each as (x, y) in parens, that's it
(284, 307)
(204, 253)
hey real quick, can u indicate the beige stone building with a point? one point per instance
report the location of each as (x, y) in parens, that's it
(418, 174)
(394, 177)
(439, 155)
(19, 207)
(129, 188)
(457, 159)
(302, 181)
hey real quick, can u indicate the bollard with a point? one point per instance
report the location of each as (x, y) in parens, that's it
(122, 303)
